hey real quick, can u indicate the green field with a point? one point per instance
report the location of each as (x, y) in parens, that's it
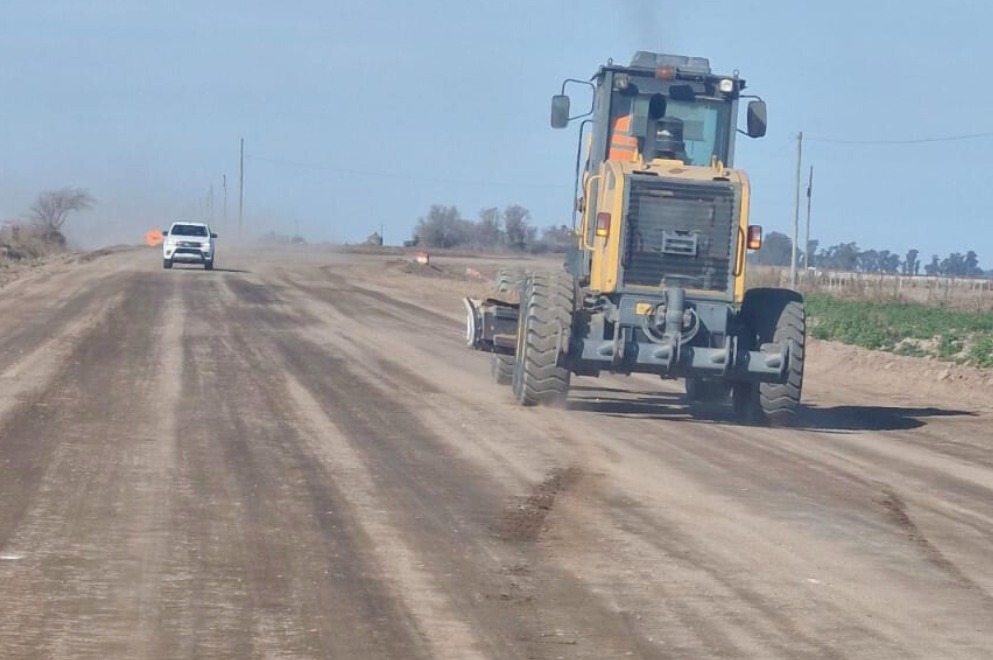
(905, 328)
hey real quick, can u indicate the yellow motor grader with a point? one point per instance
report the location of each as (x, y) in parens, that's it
(656, 280)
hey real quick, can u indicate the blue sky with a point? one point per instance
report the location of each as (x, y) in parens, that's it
(376, 110)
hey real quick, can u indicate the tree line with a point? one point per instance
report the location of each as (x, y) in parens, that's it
(777, 249)
(509, 229)
(512, 229)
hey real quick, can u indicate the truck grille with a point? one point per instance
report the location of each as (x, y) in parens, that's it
(680, 234)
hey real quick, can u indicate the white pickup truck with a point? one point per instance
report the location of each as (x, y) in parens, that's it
(189, 242)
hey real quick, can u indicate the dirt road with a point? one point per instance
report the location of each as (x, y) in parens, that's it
(298, 458)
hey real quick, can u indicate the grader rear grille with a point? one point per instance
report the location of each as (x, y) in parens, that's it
(680, 234)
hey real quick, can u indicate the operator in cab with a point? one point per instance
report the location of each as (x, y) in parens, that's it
(665, 136)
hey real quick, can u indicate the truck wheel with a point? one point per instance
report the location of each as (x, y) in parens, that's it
(776, 316)
(167, 263)
(208, 265)
(699, 390)
(544, 325)
(502, 369)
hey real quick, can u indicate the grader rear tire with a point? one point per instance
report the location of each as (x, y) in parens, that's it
(776, 316)
(544, 327)
(502, 369)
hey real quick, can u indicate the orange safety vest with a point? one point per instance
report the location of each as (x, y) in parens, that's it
(623, 145)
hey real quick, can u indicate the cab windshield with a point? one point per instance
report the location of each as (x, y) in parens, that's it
(702, 122)
(705, 122)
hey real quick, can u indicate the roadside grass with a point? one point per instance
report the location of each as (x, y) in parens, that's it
(904, 328)
(967, 294)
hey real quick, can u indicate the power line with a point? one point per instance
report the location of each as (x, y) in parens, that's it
(398, 175)
(948, 138)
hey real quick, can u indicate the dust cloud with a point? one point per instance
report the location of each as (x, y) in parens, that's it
(122, 217)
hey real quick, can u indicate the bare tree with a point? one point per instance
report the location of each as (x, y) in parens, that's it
(486, 231)
(556, 239)
(518, 231)
(443, 227)
(52, 208)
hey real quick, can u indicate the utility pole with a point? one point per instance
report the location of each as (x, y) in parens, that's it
(241, 189)
(796, 210)
(224, 188)
(810, 194)
(210, 203)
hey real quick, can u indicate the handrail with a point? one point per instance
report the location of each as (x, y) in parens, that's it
(586, 212)
(741, 253)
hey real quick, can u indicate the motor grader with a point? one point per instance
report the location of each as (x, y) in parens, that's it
(656, 280)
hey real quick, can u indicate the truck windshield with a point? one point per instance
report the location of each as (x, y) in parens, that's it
(188, 230)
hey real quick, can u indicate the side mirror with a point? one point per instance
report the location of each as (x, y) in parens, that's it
(560, 111)
(165, 232)
(213, 235)
(757, 120)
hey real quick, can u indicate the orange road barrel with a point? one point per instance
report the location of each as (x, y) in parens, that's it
(154, 238)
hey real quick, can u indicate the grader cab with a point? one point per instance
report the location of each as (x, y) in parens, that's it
(656, 280)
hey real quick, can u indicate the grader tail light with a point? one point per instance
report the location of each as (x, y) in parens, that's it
(754, 237)
(603, 224)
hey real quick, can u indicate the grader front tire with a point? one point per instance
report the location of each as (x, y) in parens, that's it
(509, 280)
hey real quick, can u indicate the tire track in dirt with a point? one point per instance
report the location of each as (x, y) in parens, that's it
(364, 383)
(418, 366)
(846, 467)
(273, 560)
(51, 320)
(528, 597)
(746, 471)
(88, 461)
(36, 343)
(28, 401)
(443, 627)
(896, 511)
(741, 618)
(419, 479)
(850, 470)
